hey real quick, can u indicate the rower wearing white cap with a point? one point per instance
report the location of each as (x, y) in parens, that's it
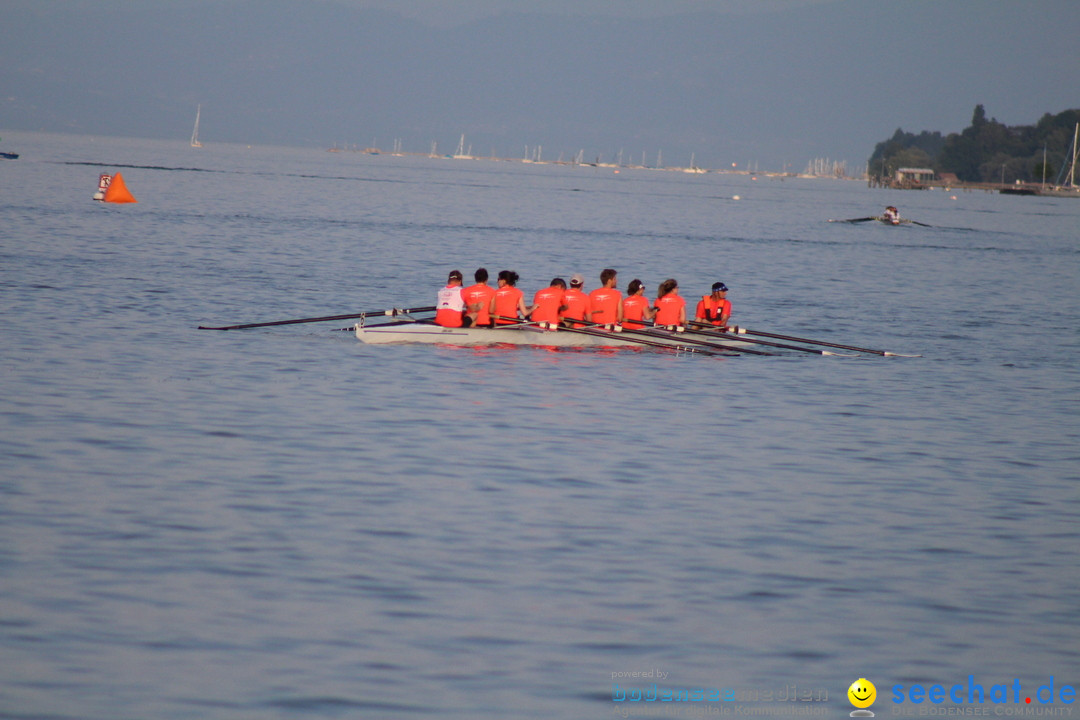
(578, 306)
(714, 308)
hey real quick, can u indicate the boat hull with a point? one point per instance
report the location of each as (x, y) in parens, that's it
(524, 335)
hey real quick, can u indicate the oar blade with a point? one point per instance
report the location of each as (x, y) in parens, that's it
(391, 312)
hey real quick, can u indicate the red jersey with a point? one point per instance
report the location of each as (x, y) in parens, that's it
(605, 305)
(479, 295)
(505, 302)
(667, 309)
(633, 308)
(547, 302)
(716, 309)
(577, 305)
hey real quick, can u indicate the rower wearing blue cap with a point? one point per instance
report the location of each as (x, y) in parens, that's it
(714, 308)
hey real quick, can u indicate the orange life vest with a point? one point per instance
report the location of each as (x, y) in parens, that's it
(712, 310)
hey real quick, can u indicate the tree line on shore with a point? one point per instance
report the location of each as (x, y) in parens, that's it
(984, 152)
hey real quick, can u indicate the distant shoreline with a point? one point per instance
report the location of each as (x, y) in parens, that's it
(617, 166)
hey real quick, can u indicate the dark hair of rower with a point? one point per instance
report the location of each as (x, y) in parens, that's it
(635, 287)
(558, 282)
(606, 274)
(666, 287)
(480, 275)
(509, 277)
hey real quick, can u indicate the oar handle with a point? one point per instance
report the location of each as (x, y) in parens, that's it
(392, 312)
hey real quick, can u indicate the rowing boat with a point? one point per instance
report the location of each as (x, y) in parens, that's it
(521, 334)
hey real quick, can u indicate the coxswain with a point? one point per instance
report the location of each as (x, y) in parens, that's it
(508, 302)
(607, 300)
(636, 306)
(548, 303)
(478, 299)
(578, 305)
(891, 215)
(450, 305)
(670, 308)
(714, 308)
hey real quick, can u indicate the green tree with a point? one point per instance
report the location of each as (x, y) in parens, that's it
(983, 150)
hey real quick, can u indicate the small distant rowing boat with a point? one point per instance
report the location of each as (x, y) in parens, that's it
(523, 334)
(884, 220)
(9, 155)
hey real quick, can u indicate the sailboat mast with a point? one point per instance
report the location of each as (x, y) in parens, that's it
(195, 133)
(1072, 168)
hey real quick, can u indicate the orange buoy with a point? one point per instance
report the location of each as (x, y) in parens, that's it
(117, 191)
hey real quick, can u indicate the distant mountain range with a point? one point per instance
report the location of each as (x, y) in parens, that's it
(771, 88)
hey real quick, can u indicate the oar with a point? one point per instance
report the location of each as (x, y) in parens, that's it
(882, 219)
(744, 331)
(728, 348)
(605, 335)
(392, 312)
(712, 331)
(622, 330)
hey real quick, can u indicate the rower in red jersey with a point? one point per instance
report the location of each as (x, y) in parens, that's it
(607, 300)
(478, 299)
(450, 305)
(636, 306)
(508, 302)
(670, 308)
(548, 302)
(578, 305)
(714, 308)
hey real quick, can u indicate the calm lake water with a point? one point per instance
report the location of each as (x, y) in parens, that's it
(286, 523)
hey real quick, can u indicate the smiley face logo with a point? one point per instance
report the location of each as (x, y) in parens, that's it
(862, 693)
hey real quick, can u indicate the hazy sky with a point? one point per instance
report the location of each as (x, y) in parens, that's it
(768, 82)
(458, 12)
